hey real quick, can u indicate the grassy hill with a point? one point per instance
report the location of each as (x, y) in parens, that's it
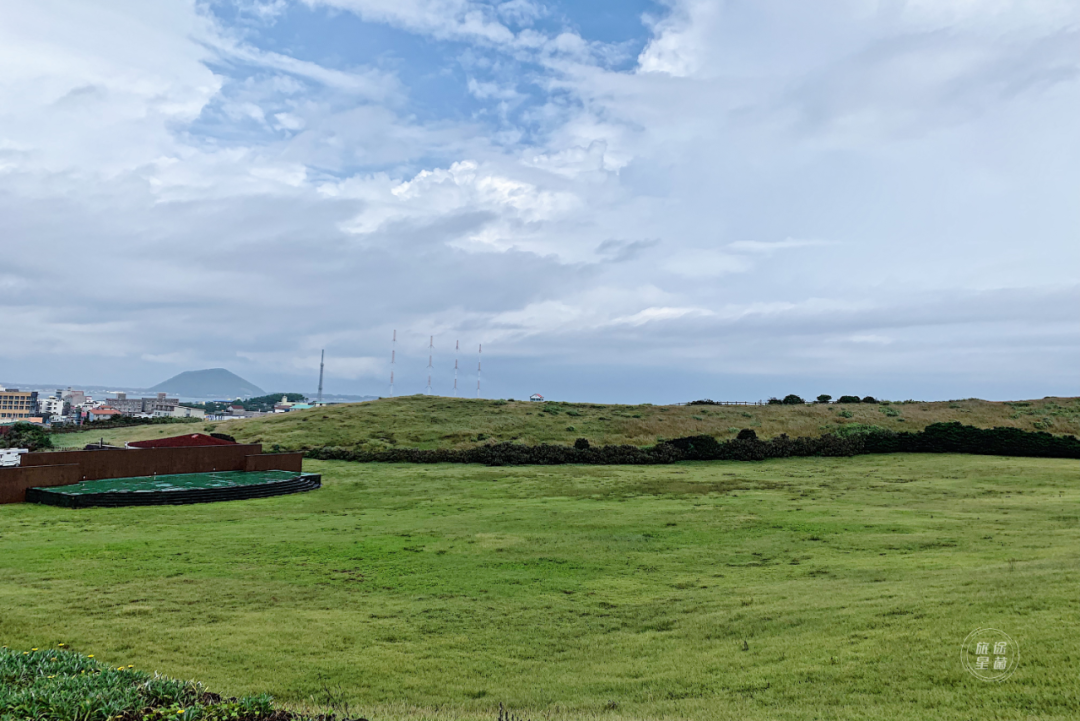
(437, 422)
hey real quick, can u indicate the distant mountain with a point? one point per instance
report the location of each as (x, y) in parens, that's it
(209, 383)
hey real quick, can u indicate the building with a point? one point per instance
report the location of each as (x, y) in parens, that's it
(178, 412)
(52, 406)
(75, 398)
(103, 413)
(135, 406)
(536, 397)
(17, 405)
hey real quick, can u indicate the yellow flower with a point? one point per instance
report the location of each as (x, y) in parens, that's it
(33, 649)
(130, 665)
(90, 656)
(119, 668)
(53, 658)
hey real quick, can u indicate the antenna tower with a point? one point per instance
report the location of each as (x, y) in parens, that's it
(393, 354)
(479, 358)
(457, 349)
(430, 367)
(322, 362)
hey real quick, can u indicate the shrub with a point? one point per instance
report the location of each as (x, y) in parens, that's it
(775, 401)
(582, 444)
(849, 399)
(846, 414)
(957, 438)
(747, 434)
(25, 435)
(703, 402)
(890, 412)
(869, 399)
(793, 400)
(824, 398)
(571, 429)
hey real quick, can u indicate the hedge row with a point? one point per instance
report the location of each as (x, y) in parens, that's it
(957, 438)
(695, 448)
(935, 438)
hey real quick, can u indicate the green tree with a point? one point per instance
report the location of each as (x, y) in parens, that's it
(26, 435)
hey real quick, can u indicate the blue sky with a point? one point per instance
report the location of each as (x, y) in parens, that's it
(623, 201)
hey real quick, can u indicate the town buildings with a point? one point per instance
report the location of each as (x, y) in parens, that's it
(17, 405)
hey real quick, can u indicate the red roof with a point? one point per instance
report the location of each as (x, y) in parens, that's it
(188, 441)
(104, 411)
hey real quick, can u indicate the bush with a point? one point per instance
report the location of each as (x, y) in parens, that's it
(824, 398)
(582, 444)
(60, 685)
(846, 414)
(793, 400)
(869, 399)
(703, 402)
(775, 401)
(25, 435)
(747, 434)
(957, 438)
(849, 399)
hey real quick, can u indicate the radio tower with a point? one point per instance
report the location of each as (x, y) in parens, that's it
(322, 361)
(393, 354)
(479, 358)
(457, 349)
(430, 367)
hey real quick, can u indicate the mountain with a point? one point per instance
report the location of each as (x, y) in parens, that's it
(209, 383)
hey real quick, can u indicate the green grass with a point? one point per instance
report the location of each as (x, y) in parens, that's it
(793, 589)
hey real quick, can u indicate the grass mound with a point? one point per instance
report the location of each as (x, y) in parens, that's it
(61, 685)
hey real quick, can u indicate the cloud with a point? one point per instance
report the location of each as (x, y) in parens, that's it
(770, 189)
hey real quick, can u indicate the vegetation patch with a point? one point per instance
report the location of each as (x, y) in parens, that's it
(55, 684)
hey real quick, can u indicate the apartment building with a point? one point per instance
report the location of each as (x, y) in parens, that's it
(17, 405)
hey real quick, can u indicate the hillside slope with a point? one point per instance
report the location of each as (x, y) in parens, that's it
(437, 422)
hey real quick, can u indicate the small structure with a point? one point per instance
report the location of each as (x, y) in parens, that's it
(536, 397)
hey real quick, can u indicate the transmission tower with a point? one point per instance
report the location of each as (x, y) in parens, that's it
(393, 358)
(457, 350)
(322, 361)
(430, 367)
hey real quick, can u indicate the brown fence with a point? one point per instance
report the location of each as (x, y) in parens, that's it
(63, 468)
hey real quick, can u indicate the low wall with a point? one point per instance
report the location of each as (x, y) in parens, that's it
(275, 462)
(63, 468)
(128, 463)
(15, 481)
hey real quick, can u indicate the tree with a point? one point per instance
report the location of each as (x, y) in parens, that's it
(26, 435)
(793, 400)
(775, 401)
(869, 399)
(824, 398)
(849, 399)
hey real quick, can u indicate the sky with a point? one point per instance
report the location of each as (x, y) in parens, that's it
(622, 200)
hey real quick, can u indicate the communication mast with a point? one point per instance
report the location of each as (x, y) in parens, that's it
(322, 361)
(457, 350)
(393, 358)
(430, 367)
(479, 359)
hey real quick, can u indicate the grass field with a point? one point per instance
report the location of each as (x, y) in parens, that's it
(807, 588)
(436, 422)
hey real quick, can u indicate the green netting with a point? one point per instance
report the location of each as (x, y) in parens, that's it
(177, 482)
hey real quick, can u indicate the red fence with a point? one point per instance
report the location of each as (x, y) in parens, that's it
(63, 468)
